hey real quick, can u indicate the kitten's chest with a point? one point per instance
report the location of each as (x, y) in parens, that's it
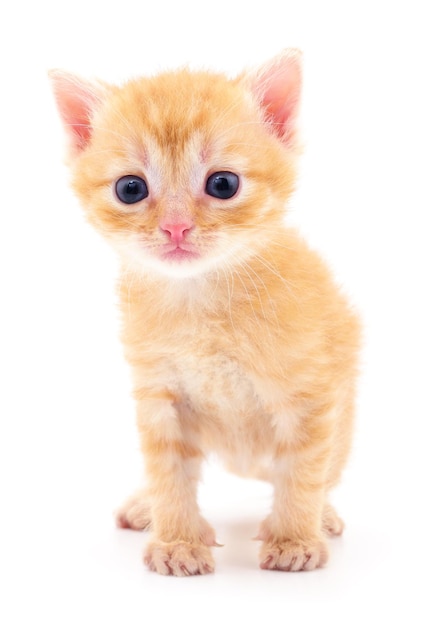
(215, 378)
(226, 409)
(215, 382)
(213, 363)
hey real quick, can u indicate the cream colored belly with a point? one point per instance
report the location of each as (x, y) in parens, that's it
(230, 415)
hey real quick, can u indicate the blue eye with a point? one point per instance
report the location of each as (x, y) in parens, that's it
(131, 189)
(222, 185)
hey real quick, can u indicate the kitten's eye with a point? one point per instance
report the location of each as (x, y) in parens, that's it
(130, 189)
(222, 185)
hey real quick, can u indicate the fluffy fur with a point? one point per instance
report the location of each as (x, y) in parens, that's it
(239, 341)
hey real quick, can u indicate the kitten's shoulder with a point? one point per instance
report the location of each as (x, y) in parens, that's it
(291, 251)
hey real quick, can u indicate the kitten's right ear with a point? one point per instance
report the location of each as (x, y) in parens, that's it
(277, 87)
(77, 100)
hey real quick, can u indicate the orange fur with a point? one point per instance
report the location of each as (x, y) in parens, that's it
(245, 347)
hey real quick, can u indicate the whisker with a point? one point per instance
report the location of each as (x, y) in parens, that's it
(246, 265)
(248, 295)
(230, 296)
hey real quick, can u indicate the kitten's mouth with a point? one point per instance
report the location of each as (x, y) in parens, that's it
(176, 253)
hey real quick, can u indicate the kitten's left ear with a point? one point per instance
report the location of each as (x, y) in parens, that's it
(77, 101)
(277, 87)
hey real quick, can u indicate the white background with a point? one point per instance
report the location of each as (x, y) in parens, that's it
(69, 451)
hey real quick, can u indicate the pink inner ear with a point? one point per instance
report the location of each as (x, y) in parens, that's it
(77, 119)
(76, 101)
(279, 86)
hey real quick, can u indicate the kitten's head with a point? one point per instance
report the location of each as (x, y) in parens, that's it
(187, 171)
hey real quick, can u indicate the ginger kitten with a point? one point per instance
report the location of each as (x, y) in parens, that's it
(239, 341)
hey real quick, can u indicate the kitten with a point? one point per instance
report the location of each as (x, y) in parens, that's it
(238, 339)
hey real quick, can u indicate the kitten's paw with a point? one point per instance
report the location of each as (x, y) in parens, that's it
(332, 524)
(179, 558)
(134, 513)
(293, 555)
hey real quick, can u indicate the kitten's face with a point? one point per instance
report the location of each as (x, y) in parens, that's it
(182, 173)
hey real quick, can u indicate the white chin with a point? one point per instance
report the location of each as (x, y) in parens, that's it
(181, 269)
(173, 269)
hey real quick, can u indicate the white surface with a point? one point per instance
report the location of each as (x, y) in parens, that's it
(68, 445)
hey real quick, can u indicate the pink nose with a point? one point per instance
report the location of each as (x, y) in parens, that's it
(176, 232)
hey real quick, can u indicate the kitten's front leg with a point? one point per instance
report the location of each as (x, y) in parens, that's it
(292, 534)
(181, 538)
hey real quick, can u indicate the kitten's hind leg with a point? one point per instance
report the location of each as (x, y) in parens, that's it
(332, 524)
(135, 512)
